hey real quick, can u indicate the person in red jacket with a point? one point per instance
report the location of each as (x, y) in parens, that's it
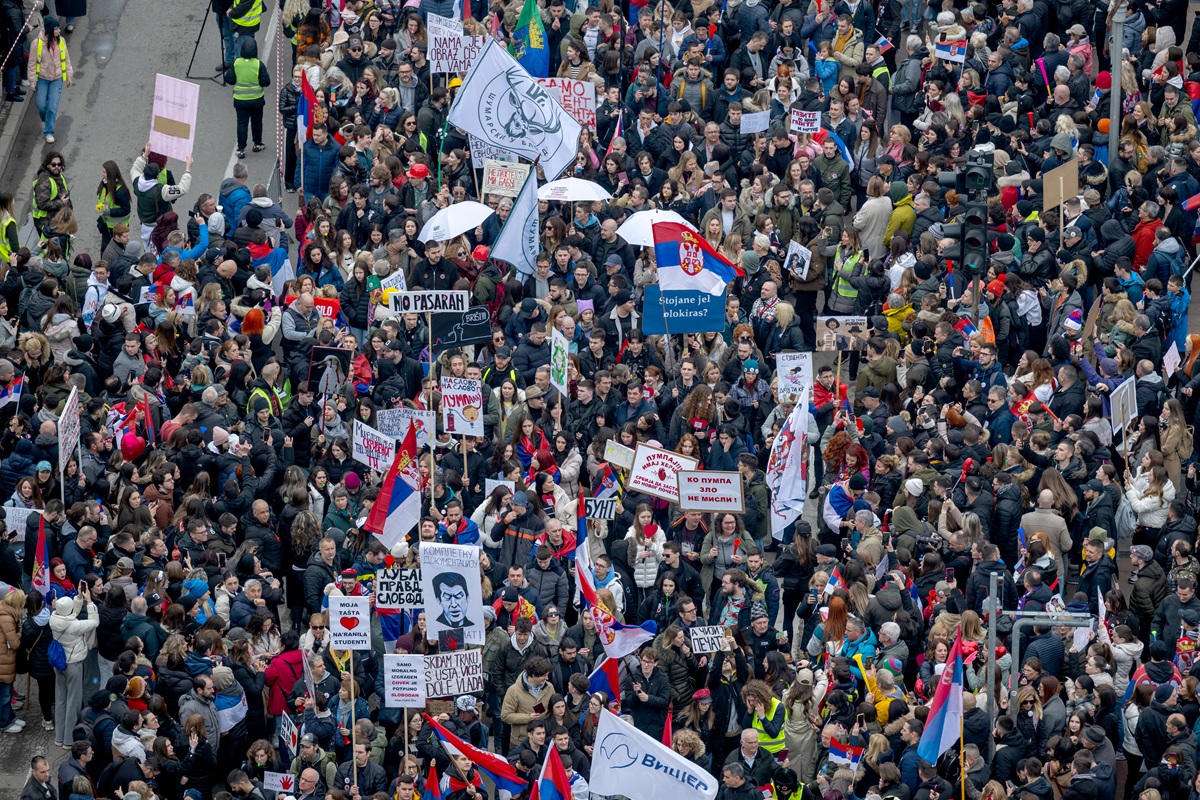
(285, 669)
(1143, 234)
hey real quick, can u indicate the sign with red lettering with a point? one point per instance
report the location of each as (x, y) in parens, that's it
(502, 178)
(462, 406)
(373, 448)
(805, 121)
(578, 98)
(702, 490)
(328, 306)
(654, 472)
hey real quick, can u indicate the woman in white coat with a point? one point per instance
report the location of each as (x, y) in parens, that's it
(77, 637)
(872, 219)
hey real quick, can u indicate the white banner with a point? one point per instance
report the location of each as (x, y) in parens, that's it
(394, 422)
(349, 623)
(654, 472)
(600, 507)
(454, 53)
(805, 121)
(437, 25)
(795, 372)
(452, 591)
(1124, 406)
(454, 674)
(518, 242)
(704, 490)
(504, 178)
(403, 681)
(373, 448)
(462, 406)
(755, 122)
(429, 302)
(397, 589)
(501, 103)
(290, 734)
(626, 759)
(577, 97)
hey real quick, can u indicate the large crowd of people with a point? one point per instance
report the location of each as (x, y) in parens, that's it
(222, 351)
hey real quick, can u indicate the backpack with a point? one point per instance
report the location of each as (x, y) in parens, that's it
(57, 655)
(88, 731)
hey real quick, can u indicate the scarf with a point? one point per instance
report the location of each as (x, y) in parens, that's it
(457, 784)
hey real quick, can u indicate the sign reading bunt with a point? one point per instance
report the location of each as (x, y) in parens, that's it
(429, 302)
(448, 54)
(600, 507)
(397, 589)
(349, 623)
(462, 406)
(654, 472)
(702, 490)
(372, 448)
(403, 681)
(454, 674)
(503, 178)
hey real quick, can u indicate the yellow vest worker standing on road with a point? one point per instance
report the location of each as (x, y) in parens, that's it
(249, 77)
(48, 71)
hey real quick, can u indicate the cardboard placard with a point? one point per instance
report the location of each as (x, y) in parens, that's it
(398, 588)
(372, 448)
(618, 454)
(707, 638)
(503, 178)
(654, 472)
(462, 406)
(1171, 360)
(438, 25)
(1060, 185)
(454, 53)
(289, 734)
(1124, 405)
(703, 490)
(68, 429)
(559, 354)
(454, 674)
(490, 484)
(600, 507)
(795, 371)
(394, 422)
(429, 302)
(173, 119)
(805, 121)
(349, 623)
(482, 151)
(798, 261)
(403, 681)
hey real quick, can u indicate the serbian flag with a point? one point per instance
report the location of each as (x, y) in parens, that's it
(884, 45)
(607, 678)
(955, 50)
(835, 582)
(12, 392)
(840, 753)
(687, 262)
(820, 136)
(305, 109)
(609, 485)
(433, 788)
(617, 131)
(144, 407)
(398, 506)
(619, 640)
(553, 784)
(493, 766)
(946, 710)
(40, 582)
(581, 557)
(185, 304)
(965, 327)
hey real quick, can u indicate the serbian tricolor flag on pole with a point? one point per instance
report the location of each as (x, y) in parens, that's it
(955, 50)
(433, 788)
(840, 753)
(820, 136)
(609, 485)
(305, 109)
(883, 44)
(144, 407)
(607, 678)
(40, 582)
(581, 557)
(398, 506)
(553, 784)
(946, 710)
(12, 392)
(687, 262)
(493, 766)
(835, 582)
(617, 131)
(619, 640)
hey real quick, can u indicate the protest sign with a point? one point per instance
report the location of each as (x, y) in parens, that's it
(349, 623)
(147, 295)
(755, 122)
(375, 449)
(459, 330)
(289, 734)
(841, 333)
(394, 281)
(704, 490)
(690, 311)
(328, 307)
(577, 97)
(437, 25)
(1171, 360)
(451, 590)
(448, 54)
(462, 406)
(454, 674)
(429, 302)
(799, 259)
(654, 471)
(618, 454)
(503, 178)
(559, 353)
(394, 423)
(397, 589)
(15, 520)
(795, 372)
(489, 484)
(482, 151)
(707, 638)
(1124, 405)
(279, 781)
(404, 681)
(805, 121)
(173, 119)
(600, 507)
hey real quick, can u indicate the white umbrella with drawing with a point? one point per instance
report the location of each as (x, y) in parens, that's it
(573, 189)
(638, 230)
(454, 220)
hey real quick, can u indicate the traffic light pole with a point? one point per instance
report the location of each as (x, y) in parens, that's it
(1116, 48)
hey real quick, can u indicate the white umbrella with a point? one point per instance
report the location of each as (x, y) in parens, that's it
(573, 189)
(638, 230)
(454, 220)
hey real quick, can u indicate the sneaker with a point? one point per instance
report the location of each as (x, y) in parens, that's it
(258, 148)
(241, 153)
(24, 81)
(49, 138)
(14, 728)
(47, 725)
(18, 704)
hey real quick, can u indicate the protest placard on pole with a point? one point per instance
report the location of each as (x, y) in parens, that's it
(795, 372)
(289, 734)
(68, 430)
(577, 97)
(452, 591)
(173, 119)
(395, 422)
(454, 53)
(404, 681)
(559, 353)
(429, 302)
(707, 638)
(482, 151)
(707, 490)
(279, 781)
(454, 674)
(805, 121)
(349, 623)
(373, 448)
(618, 454)
(437, 25)
(398, 588)
(654, 472)
(755, 122)
(504, 178)
(462, 406)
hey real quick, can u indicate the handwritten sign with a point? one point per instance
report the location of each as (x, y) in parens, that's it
(68, 429)
(373, 448)
(443, 26)
(805, 121)
(290, 734)
(349, 623)
(327, 306)
(654, 472)
(503, 178)
(707, 638)
(279, 781)
(618, 454)
(394, 423)
(454, 53)
(454, 674)
(577, 97)
(600, 507)
(755, 122)
(705, 490)
(462, 406)
(397, 589)
(481, 151)
(795, 373)
(429, 302)
(404, 681)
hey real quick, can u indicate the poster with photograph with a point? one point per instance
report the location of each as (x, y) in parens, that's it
(841, 333)
(451, 587)
(799, 259)
(795, 371)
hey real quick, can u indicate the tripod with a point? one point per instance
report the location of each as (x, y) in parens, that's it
(219, 78)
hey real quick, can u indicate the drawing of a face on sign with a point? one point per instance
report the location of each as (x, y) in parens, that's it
(517, 105)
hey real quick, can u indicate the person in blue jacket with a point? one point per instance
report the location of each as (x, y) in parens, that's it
(319, 160)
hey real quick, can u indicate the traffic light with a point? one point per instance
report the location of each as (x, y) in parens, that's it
(974, 238)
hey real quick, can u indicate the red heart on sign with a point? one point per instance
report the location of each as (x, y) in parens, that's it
(349, 623)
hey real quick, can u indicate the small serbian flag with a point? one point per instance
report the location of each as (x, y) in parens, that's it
(12, 392)
(835, 582)
(1192, 203)
(306, 109)
(553, 784)
(820, 136)
(965, 327)
(606, 678)
(955, 50)
(617, 131)
(840, 753)
(687, 262)
(884, 45)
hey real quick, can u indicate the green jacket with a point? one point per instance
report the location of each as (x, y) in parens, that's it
(758, 506)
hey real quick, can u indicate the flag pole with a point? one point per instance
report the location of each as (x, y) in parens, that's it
(962, 759)
(353, 699)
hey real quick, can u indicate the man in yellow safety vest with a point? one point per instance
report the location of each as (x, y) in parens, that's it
(249, 77)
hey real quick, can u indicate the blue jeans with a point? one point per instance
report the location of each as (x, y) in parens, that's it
(7, 717)
(226, 28)
(238, 38)
(46, 96)
(12, 78)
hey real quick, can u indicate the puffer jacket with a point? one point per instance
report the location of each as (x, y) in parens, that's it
(679, 667)
(77, 636)
(10, 631)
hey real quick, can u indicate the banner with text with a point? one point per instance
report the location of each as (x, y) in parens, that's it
(349, 623)
(397, 589)
(454, 674)
(805, 121)
(705, 490)
(452, 591)
(404, 681)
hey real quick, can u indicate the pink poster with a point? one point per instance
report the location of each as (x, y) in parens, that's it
(173, 121)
